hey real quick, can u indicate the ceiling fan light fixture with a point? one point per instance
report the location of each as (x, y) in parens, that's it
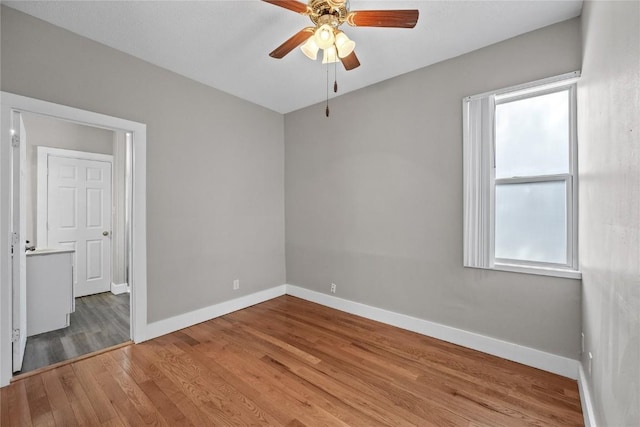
(330, 55)
(344, 45)
(310, 48)
(327, 16)
(324, 36)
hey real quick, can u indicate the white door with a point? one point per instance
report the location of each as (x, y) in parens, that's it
(79, 217)
(18, 243)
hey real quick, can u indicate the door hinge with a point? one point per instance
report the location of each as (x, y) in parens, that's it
(15, 335)
(14, 238)
(15, 141)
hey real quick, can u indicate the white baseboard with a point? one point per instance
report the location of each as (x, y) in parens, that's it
(182, 321)
(510, 351)
(588, 409)
(119, 288)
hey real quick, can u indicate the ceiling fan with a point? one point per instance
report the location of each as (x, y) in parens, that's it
(327, 16)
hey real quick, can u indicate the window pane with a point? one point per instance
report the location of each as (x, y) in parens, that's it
(531, 222)
(532, 136)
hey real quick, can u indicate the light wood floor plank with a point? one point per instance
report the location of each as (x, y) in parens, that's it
(310, 403)
(39, 406)
(19, 413)
(194, 415)
(187, 379)
(96, 394)
(61, 408)
(226, 394)
(290, 362)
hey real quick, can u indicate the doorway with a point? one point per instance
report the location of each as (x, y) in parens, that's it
(76, 179)
(14, 105)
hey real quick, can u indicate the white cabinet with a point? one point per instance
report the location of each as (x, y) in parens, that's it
(49, 290)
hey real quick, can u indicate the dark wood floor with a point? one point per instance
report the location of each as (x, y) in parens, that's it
(292, 363)
(100, 321)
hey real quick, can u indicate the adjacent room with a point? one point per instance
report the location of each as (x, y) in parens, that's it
(320, 213)
(69, 318)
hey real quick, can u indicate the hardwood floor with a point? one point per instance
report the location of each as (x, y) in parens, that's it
(290, 362)
(100, 321)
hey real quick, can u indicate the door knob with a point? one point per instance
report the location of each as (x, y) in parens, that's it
(105, 233)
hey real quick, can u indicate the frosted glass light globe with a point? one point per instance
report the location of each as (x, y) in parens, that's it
(324, 36)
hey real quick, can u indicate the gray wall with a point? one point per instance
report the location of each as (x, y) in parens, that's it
(374, 198)
(609, 134)
(47, 132)
(214, 162)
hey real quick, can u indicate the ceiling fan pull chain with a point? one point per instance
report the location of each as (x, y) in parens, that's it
(335, 77)
(327, 109)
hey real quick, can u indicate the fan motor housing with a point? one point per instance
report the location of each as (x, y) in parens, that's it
(328, 12)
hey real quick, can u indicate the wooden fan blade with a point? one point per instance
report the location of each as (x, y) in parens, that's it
(383, 18)
(294, 5)
(350, 61)
(295, 41)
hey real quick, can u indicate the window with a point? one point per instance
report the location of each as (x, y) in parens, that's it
(520, 178)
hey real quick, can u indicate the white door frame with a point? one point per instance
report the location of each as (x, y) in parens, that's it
(10, 102)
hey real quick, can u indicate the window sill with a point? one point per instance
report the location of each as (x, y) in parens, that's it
(542, 271)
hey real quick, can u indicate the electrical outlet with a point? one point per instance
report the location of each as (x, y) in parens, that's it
(590, 361)
(333, 288)
(236, 284)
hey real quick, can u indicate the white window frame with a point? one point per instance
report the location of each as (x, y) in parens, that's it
(480, 181)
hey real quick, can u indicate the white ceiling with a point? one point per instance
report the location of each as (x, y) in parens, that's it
(225, 43)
